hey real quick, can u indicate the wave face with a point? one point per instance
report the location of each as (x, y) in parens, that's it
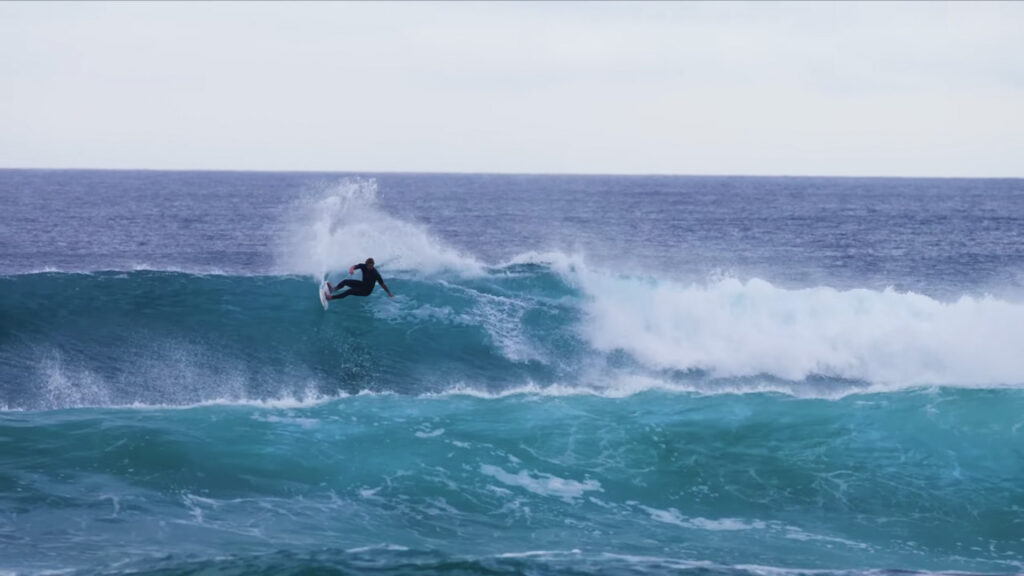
(576, 376)
(158, 338)
(165, 338)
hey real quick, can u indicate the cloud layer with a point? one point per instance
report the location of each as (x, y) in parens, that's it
(921, 89)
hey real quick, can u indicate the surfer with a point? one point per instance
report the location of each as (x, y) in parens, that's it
(359, 287)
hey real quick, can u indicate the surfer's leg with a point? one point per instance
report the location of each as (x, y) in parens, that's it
(350, 283)
(355, 289)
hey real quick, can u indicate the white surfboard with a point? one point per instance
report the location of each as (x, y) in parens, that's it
(322, 289)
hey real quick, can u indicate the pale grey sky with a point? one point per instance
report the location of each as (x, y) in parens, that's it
(874, 89)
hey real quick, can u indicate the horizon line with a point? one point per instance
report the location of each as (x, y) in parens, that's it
(500, 173)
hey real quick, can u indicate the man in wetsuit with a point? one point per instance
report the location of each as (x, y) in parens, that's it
(359, 288)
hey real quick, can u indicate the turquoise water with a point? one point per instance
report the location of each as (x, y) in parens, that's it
(597, 391)
(528, 482)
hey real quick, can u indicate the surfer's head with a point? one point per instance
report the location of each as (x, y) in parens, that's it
(369, 262)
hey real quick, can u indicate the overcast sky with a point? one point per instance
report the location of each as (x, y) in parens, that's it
(873, 89)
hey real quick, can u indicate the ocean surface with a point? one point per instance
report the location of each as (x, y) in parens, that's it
(577, 375)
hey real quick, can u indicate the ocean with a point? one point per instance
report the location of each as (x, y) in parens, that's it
(577, 375)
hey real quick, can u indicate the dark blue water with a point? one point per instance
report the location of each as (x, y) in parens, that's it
(578, 375)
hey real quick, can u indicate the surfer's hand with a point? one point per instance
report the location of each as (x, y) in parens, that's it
(352, 270)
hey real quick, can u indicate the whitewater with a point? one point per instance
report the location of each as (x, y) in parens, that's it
(578, 375)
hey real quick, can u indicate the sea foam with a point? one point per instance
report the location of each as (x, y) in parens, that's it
(735, 328)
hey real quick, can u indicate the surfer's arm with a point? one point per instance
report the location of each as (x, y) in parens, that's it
(384, 286)
(352, 270)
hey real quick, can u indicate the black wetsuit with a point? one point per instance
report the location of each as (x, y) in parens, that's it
(360, 287)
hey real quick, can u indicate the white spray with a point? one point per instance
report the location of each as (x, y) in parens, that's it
(342, 225)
